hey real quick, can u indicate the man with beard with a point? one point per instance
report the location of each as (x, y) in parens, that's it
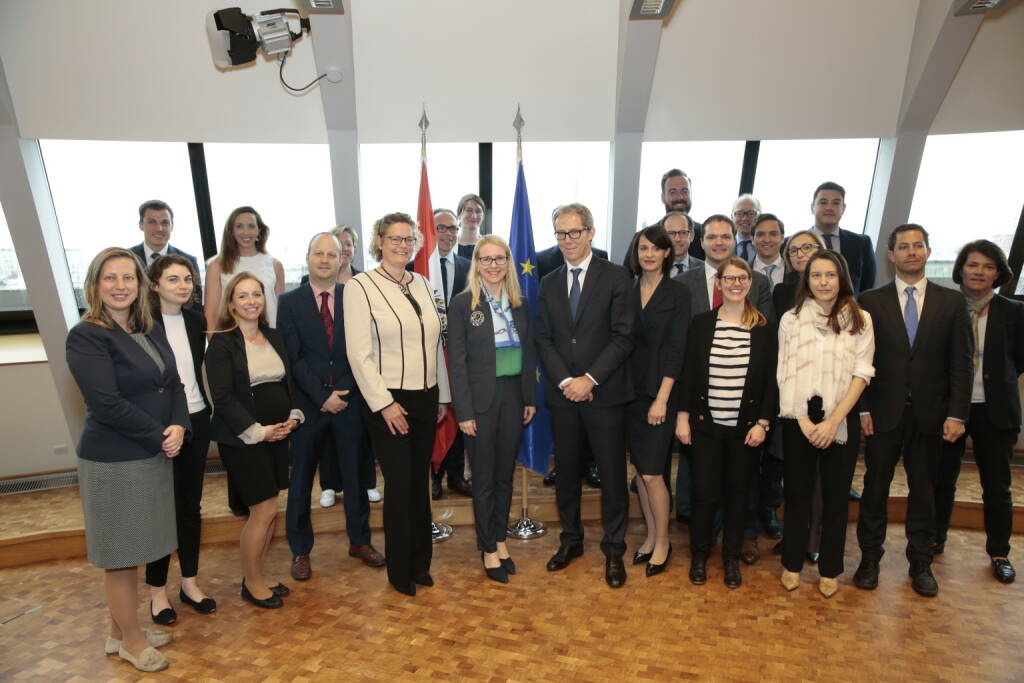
(675, 195)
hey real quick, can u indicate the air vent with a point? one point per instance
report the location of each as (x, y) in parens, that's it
(323, 6)
(979, 6)
(651, 9)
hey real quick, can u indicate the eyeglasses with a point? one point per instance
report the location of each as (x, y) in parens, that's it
(446, 228)
(571, 234)
(735, 279)
(673, 234)
(803, 249)
(749, 214)
(397, 241)
(496, 260)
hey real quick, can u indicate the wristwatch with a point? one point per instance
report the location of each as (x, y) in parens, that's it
(765, 425)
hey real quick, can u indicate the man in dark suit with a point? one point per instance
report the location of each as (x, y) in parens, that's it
(454, 270)
(156, 221)
(745, 210)
(828, 206)
(311, 321)
(920, 395)
(719, 243)
(675, 195)
(551, 259)
(584, 337)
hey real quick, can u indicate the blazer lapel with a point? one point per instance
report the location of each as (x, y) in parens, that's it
(891, 302)
(563, 293)
(930, 313)
(590, 283)
(699, 284)
(312, 307)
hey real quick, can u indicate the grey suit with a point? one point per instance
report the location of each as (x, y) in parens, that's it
(760, 293)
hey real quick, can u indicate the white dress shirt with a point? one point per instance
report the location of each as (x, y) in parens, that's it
(584, 265)
(777, 274)
(901, 295)
(450, 268)
(833, 235)
(149, 252)
(709, 274)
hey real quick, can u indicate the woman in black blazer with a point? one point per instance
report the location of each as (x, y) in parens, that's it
(662, 308)
(253, 414)
(137, 419)
(995, 417)
(492, 363)
(173, 279)
(729, 399)
(796, 253)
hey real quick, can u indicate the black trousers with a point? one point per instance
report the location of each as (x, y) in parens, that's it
(330, 472)
(327, 437)
(604, 428)
(405, 463)
(921, 454)
(492, 455)
(765, 493)
(993, 449)
(802, 466)
(189, 470)
(454, 463)
(720, 473)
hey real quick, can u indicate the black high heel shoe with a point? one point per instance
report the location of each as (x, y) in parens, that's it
(508, 565)
(655, 569)
(204, 606)
(273, 602)
(494, 573)
(640, 558)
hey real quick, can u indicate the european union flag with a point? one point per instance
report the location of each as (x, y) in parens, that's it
(535, 450)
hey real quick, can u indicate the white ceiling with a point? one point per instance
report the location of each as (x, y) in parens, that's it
(727, 69)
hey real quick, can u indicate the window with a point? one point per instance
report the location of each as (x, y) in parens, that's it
(289, 185)
(789, 170)
(556, 173)
(714, 169)
(969, 187)
(97, 187)
(13, 295)
(389, 178)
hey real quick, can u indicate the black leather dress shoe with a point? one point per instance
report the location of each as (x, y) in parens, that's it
(655, 569)
(273, 602)
(204, 606)
(777, 548)
(813, 557)
(853, 494)
(423, 579)
(682, 519)
(1003, 571)
(866, 576)
(640, 558)
(771, 525)
(549, 479)
(592, 477)
(460, 486)
(922, 580)
(938, 548)
(435, 487)
(564, 555)
(614, 571)
(164, 617)
(699, 570)
(404, 588)
(733, 578)
(509, 565)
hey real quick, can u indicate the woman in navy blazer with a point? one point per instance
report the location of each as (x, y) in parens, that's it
(253, 415)
(995, 417)
(492, 361)
(662, 308)
(171, 296)
(137, 419)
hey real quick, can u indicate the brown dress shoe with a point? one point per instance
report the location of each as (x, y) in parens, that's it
(368, 554)
(749, 552)
(300, 568)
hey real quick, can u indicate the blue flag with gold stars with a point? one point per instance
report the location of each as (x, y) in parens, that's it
(535, 450)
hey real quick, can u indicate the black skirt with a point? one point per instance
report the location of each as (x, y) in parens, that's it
(259, 471)
(650, 446)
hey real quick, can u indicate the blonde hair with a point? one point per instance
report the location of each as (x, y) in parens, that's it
(340, 230)
(139, 313)
(511, 282)
(751, 316)
(226, 318)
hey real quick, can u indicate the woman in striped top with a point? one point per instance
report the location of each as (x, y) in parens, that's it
(728, 401)
(393, 341)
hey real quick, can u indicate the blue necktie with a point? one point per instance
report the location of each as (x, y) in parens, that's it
(574, 292)
(828, 241)
(910, 314)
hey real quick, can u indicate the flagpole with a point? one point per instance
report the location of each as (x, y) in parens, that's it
(439, 531)
(524, 527)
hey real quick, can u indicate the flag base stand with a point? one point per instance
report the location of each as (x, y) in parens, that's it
(526, 528)
(440, 532)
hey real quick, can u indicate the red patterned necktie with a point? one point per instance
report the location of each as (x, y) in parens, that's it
(325, 315)
(716, 300)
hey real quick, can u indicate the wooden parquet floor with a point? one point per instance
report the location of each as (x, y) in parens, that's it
(346, 624)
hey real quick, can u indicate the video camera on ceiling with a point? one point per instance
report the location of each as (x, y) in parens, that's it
(236, 37)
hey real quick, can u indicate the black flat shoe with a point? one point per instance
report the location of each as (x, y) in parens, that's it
(1003, 571)
(423, 580)
(733, 578)
(405, 588)
(494, 573)
(280, 590)
(273, 602)
(165, 617)
(204, 606)
(508, 564)
(640, 558)
(655, 569)
(698, 570)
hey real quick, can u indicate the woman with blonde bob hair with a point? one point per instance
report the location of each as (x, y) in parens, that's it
(728, 402)
(137, 420)
(254, 412)
(492, 363)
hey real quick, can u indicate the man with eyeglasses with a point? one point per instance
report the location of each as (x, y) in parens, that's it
(828, 206)
(679, 227)
(454, 270)
(676, 196)
(745, 211)
(584, 338)
(156, 221)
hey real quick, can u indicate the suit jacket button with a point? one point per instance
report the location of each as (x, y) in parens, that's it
(161, 390)
(700, 417)
(574, 340)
